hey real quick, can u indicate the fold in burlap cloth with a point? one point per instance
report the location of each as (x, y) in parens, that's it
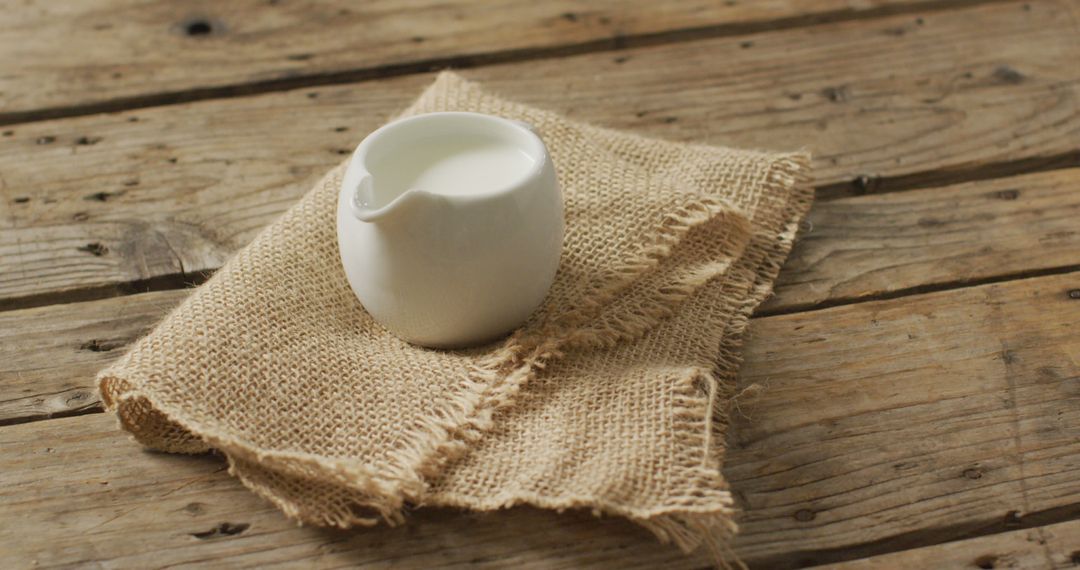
(612, 397)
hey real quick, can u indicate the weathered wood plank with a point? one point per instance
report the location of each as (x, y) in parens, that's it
(853, 248)
(87, 496)
(120, 52)
(887, 244)
(910, 421)
(49, 355)
(94, 202)
(883, 425)
(1049, 547)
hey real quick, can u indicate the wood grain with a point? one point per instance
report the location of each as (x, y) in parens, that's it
(903, 242)
(882, 426)
(1050, 547)
(84, 495)
(49, 355)
(910, 421)
(94, 203)
(124, 53)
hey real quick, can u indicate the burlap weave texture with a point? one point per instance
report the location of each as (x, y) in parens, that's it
(612, 397)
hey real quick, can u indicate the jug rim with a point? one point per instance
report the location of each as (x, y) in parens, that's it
(537, 151)
(359, 171)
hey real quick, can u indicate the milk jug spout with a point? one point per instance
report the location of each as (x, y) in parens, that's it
(367, 207)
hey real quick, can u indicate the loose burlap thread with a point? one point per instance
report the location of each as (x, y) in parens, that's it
(613, 396)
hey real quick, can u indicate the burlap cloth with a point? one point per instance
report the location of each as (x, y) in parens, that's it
(612, 397)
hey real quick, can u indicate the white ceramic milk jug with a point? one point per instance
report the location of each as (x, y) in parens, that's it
(450, 226)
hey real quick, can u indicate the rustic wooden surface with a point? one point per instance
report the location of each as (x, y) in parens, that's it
(921, 371)
(1001, 440)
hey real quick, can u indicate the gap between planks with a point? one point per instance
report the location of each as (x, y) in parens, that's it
(1049, 547)
(917, 290)
(612, 43)
(864, 185)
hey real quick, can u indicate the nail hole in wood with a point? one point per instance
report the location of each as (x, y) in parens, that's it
(972, 473)
(836, 94)
(102, 196)
(87, 141)
(1008, 75)
(198, 28)
(1074, 293)
(986, 561)
(46, 139)
(223, 529)
(865, 183)
(76, 398)
(97, 249)
(101, 345)
(21, 200)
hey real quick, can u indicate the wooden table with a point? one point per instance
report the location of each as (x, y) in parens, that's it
(921, 354)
